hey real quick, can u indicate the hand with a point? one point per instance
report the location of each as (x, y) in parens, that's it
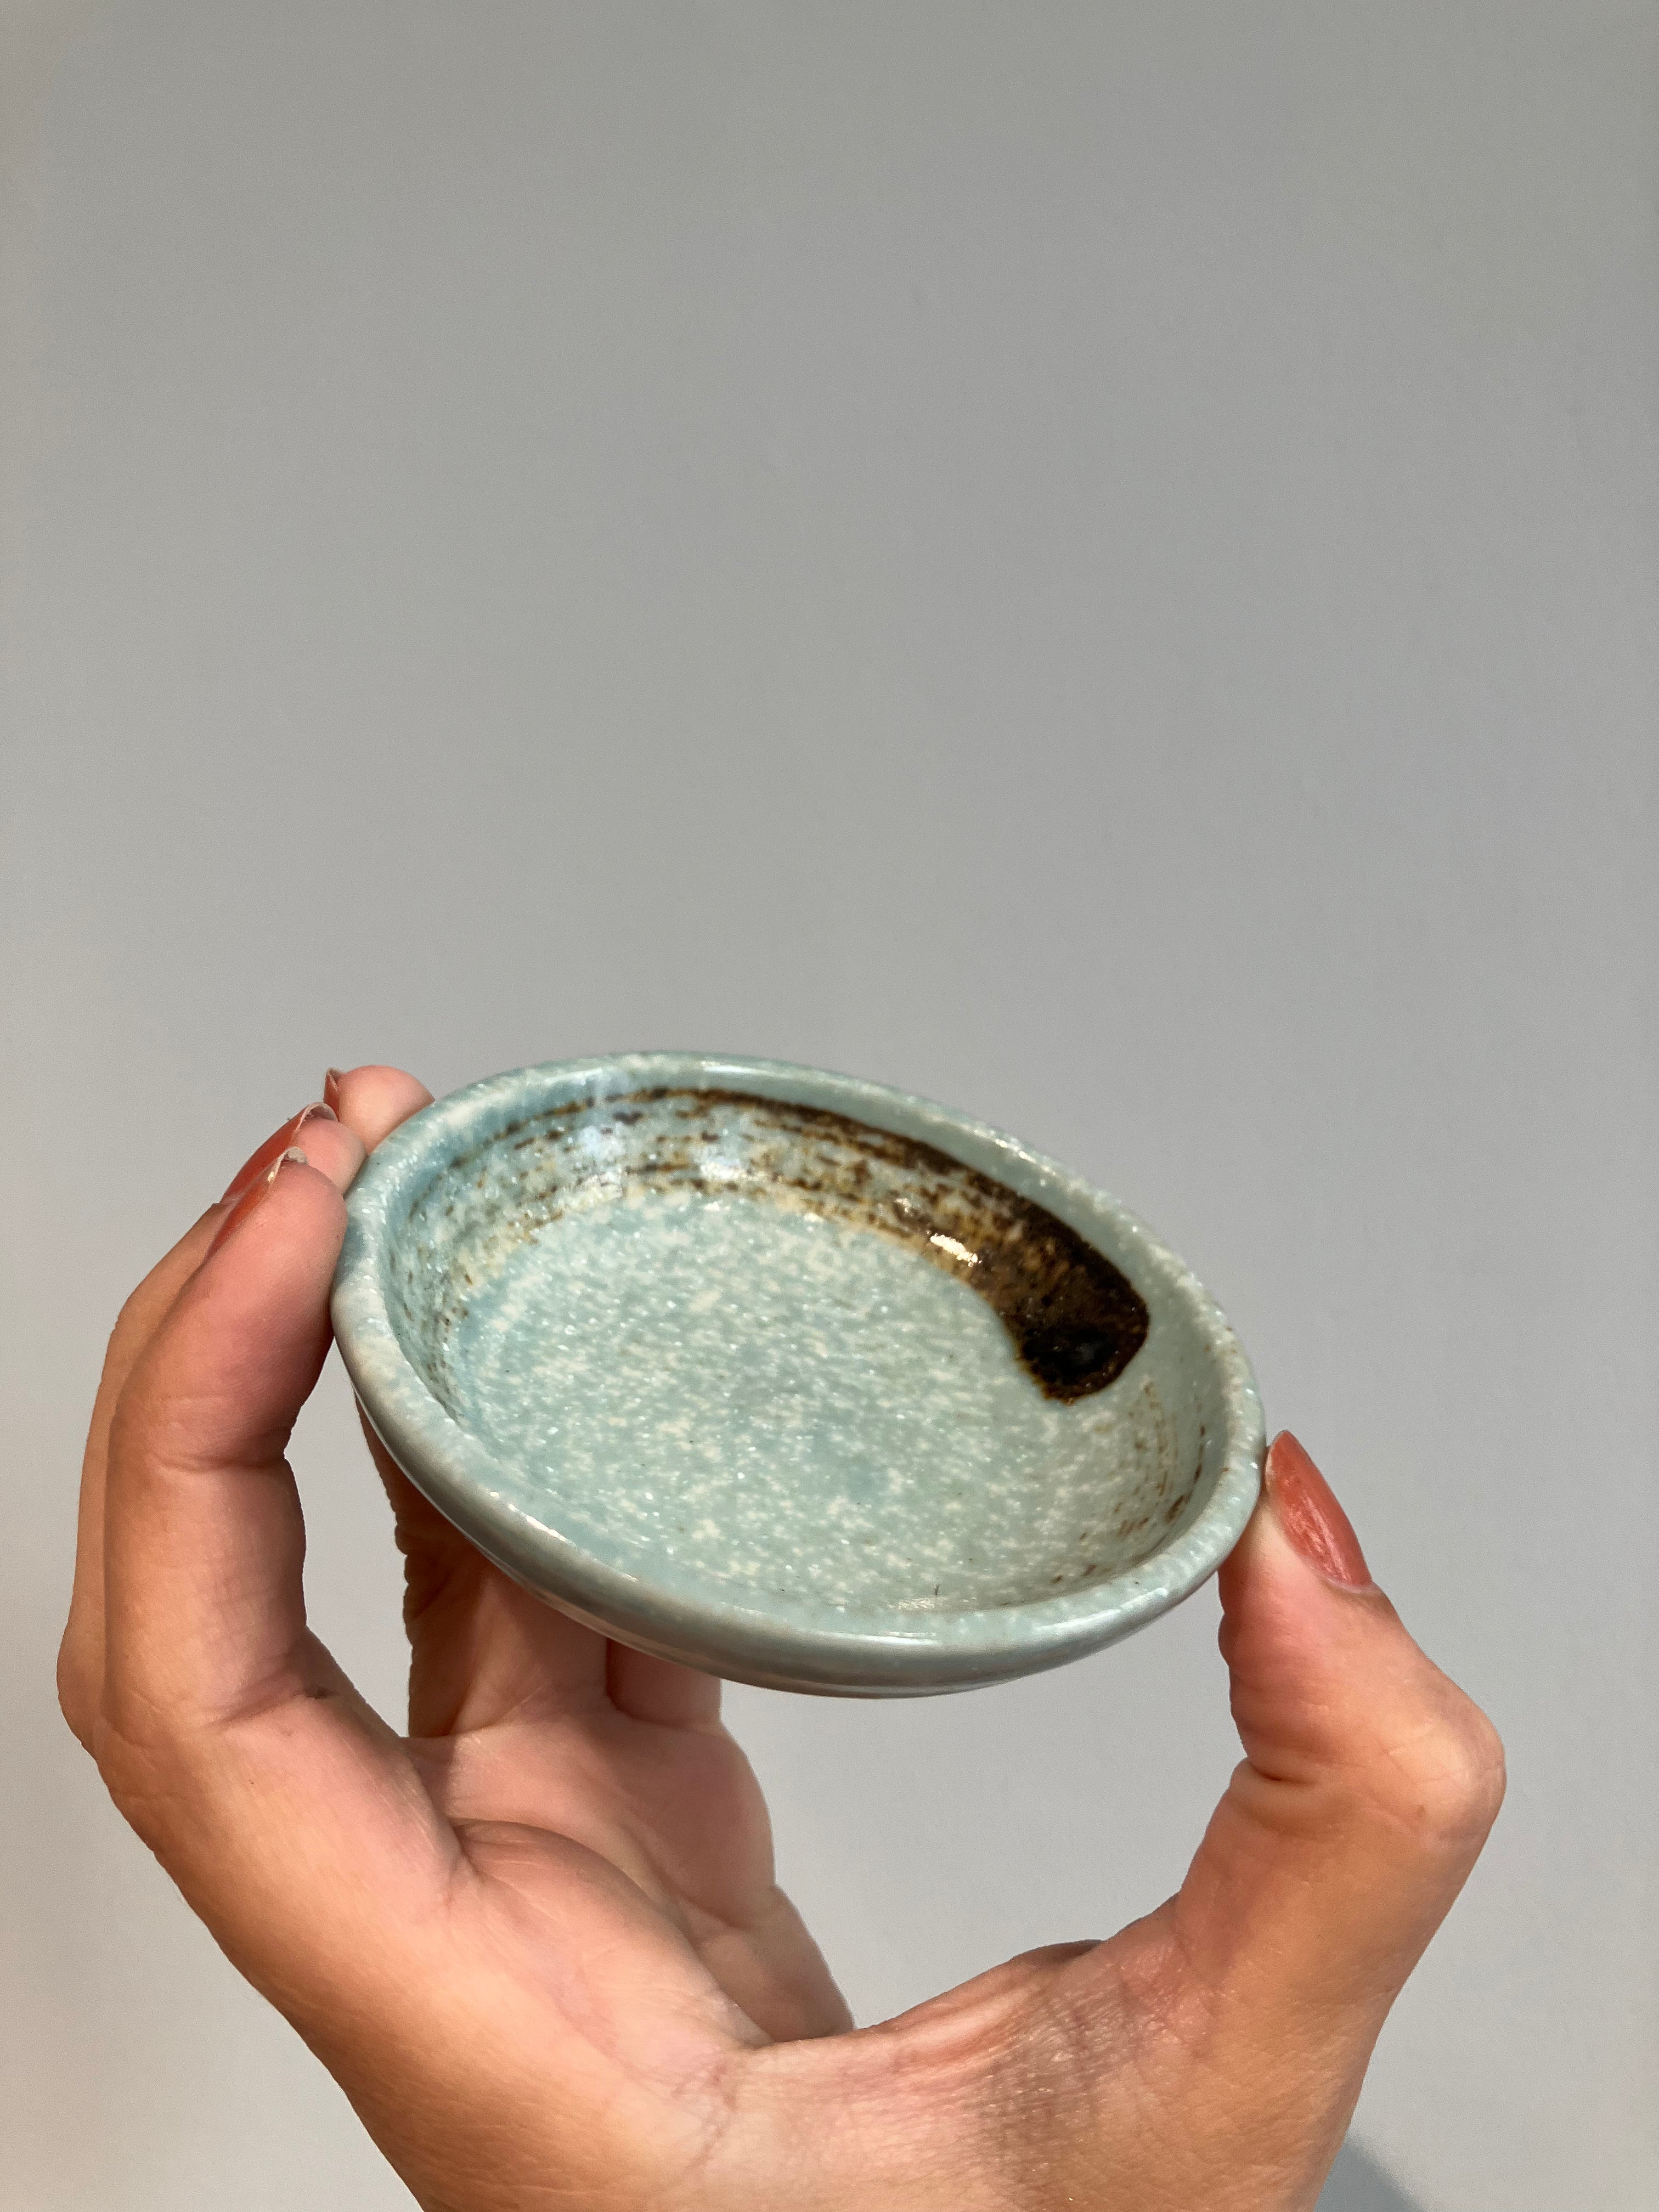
(538, 1939)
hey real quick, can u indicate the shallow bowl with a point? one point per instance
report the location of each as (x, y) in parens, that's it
(793, 1377)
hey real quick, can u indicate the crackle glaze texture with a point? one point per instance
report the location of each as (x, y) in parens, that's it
(791, 1376)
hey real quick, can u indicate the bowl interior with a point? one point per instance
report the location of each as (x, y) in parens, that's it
(761, 1350)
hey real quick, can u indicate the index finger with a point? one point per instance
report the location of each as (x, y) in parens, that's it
(287, 1811)
(339, 1153)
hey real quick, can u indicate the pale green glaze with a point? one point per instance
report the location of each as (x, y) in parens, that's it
(720, 1422)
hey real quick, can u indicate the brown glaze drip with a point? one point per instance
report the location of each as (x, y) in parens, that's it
(1076, 1320)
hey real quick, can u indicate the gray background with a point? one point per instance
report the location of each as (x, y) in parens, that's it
(1097, 562)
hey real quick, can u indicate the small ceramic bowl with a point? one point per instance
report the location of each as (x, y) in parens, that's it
(792, 1377)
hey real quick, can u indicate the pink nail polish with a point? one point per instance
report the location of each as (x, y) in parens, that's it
(254, 1197)
(1310, 1516)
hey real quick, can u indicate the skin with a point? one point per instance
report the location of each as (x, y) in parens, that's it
(537, 1939)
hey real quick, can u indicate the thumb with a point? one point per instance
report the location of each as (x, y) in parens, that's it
(1369, 1786)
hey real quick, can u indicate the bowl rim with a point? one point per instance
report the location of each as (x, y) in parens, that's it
(780, 1644)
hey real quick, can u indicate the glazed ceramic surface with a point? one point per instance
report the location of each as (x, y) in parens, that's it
(793, 1377)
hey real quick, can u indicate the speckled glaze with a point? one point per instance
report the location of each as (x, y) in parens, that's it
(791, 1376)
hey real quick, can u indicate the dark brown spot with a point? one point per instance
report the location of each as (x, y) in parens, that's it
(1074, 1319)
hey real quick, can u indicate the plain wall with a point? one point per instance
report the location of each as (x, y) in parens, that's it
(1096, 563)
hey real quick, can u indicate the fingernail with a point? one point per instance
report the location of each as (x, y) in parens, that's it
(332, 1089)
(1310, 1516)
(272, 1149)
(254, 1197)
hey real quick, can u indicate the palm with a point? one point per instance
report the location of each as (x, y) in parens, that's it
(587, 1778)
(656, 1832)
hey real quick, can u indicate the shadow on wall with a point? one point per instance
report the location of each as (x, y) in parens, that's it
(1358, 2184)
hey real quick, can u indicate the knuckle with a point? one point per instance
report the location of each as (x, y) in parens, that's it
(128, 1428)
(138, 1787)
(132, 1324)
(1444, 1783)
(116, 1765)
(145, 1438)
(78, 1696)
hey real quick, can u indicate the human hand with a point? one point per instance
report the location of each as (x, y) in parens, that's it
(538, 1939)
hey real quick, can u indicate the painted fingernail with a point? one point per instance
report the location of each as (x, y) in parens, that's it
(332, 1089)
(273, 1148)
(255, 1196)
(1310, 1516)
